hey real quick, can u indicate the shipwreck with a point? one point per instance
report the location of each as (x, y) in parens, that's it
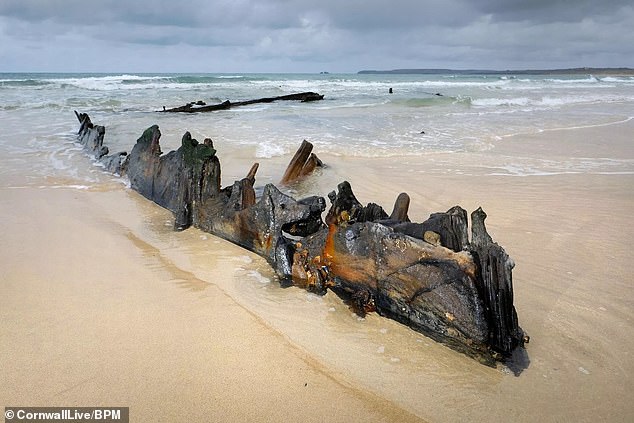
(200, 106)
(450, 283)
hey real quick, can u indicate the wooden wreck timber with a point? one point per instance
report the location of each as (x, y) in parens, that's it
(200, 106)
(303, 163)
(91, 138)
(427, 275)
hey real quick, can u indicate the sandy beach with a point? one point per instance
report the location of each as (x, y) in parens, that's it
(104, 305)
(95, 315)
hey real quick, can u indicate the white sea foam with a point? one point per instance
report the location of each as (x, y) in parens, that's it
(550, 101)
(588, 80)
(623, 80)
(266, 150)
(494, 101)
(259, 277)
(535, 167)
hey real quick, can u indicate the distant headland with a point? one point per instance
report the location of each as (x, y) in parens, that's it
(570, 71)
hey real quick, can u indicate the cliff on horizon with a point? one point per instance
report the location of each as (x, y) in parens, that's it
(570, 71)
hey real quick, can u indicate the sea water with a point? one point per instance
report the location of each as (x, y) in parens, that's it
(424, 115)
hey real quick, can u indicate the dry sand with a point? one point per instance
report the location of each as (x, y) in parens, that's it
(104, 305)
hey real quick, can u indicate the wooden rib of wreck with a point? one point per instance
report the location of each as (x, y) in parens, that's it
(427, 275)
(91, 138)
(303, 163)
(200, 106)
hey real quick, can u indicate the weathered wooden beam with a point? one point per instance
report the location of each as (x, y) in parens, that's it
(401, 207)
(91, 138)
(200, 106)
(252, 172)
(303, 163)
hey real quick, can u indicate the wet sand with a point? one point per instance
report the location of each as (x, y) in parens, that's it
(93, 315)
(106, 305)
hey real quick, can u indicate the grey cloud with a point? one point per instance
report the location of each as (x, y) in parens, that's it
(547, 11)
(93, 12)
(350, 14)
(164, 35)
(374, 15)
(193, 13)
(344, 35)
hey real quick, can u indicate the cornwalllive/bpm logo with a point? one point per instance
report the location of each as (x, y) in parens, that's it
(67, 414)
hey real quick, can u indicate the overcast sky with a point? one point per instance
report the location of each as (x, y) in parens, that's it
(312, 35)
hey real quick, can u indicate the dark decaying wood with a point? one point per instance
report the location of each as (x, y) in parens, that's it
(429, 276)
(200, 106)
(401, 206)
(303, 163)
(252, 172)
(91, 138)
